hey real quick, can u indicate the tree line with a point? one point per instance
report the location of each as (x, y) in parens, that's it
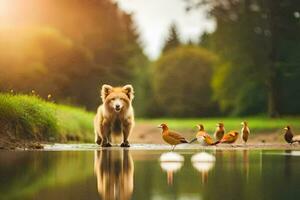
(248, 65)
(68, 49)
(256, 65)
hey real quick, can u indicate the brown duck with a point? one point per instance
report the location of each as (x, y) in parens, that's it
(220, 130)
(229, 137)
(245, 131)
(203, 137)
(199, 134)
(171, 137)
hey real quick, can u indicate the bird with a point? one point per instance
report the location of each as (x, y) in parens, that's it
(208, 140)
(289, 136)
(229, 137)
(220, 130)
(171, 137)
(203, 137)
(200, 133)
(245, 131)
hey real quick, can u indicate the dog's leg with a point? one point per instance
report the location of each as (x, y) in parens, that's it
(98, 139)
(97, 131)
(126, 131)
(105, 132)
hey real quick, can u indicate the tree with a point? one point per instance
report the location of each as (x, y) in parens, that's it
(173, 40)
(254, 39)
(69, 48)
(181, 80)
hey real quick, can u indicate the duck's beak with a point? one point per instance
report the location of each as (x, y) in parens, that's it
(285, 128)
(159, 126)
(242, 123)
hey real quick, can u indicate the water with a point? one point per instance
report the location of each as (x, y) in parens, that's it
(138, 174)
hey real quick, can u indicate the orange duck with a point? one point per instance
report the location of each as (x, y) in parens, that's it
(229, 137)
(171, 137)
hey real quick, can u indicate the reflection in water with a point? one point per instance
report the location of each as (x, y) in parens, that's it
(114, 171)
(203, 162)
(69, 175)
(171, 162)
(287, 164)
(246, 163)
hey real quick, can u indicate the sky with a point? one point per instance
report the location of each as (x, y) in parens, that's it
(153, 19)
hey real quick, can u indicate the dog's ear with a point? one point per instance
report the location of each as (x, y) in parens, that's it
(105, 91)
(128, 89)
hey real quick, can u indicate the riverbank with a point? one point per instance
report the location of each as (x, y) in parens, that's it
(27, 121)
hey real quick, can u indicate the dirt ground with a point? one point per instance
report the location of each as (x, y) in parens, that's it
(14, 144)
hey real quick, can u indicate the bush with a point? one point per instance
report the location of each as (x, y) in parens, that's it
(181, 80)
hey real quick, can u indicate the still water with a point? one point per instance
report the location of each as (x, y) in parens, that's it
(137, 174)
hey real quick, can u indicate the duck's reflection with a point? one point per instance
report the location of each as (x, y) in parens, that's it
(114, 170)
(203, 162)
(246, 163)
(171, 162)
(287, 163)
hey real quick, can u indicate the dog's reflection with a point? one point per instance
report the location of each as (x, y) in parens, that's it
(114, 170)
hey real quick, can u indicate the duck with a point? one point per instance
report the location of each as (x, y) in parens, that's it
(203, 137)
(171, 137)
(199, 134)
(220, 130)
(208, 140)
(289, 136)
(229, 137)
(245, 131)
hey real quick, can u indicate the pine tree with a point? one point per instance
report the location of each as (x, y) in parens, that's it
(172, 40)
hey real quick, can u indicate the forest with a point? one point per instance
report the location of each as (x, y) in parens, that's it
(63, 51)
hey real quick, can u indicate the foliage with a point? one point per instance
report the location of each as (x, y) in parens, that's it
(29, 117)
(257, 41)
(68, 49)
(173, 40)
(181, 81)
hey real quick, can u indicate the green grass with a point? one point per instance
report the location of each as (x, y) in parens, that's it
(29, 117)
(256, 124)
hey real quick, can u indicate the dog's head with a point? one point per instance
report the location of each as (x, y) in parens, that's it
(117, 98)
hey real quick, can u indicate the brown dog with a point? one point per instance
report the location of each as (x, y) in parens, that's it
(115, 116)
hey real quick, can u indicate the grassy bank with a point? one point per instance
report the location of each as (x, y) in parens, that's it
(31, 118)
(257, 124)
